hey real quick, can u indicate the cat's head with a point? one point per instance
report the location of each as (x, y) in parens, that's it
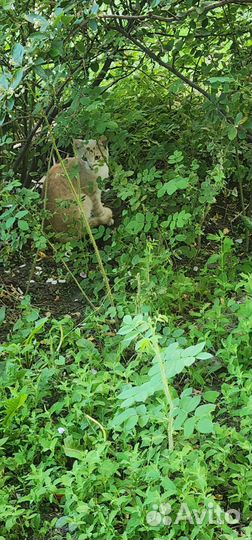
(92, 151)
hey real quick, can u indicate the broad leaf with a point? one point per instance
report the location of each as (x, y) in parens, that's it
(17, 54)
(204, 410)
(205, 425)
(2, 314)
(17, 78)
(189, 426)
(232, 133)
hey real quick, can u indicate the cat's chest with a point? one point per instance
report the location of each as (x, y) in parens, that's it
(96, 171)
(102, 171)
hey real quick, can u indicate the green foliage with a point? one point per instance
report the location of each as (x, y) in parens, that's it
(169, 361)
(20, 219)
(113, 419)
(59, 392)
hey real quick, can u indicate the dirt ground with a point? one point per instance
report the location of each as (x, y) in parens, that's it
(49, 294)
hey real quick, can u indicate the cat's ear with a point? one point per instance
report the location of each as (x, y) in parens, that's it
(103, 140)
(78, 147)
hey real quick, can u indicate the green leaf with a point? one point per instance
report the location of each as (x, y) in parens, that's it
(74, 172)
(138, 394)
(83, 508)
(205, 425)
(10, 104)
(9, 222)
(17, 78)
(108, 468)
(176, 359)
(61, 522)
(57, 48)
(23, 225)
(94, 8)
(189, 426)
(176, 157)
(221, 80)
(189, 404)
(194, 350)
(179, 420)
(213, 258)
(169, 487)
(204, 410)
(92, 24)
(211, 395)
(41, 72)
(2, 119)
(3, 441)
(247, 222)
(131, 422)
(12, 405)
(40, 21)
(238, 118)
(4, 83)
(172, 186)
(40, 323)
(94, 66)
(18, 53)
(204, 356)
(71, 451)
(2, 314)
(136, 224)
(122, 417)
(21, 213)
(232, 133)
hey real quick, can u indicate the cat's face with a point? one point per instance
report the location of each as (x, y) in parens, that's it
(94, 152)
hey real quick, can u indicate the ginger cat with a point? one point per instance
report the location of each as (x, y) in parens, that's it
(61, 195)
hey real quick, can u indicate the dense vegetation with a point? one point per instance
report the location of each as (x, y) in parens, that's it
(126, 390)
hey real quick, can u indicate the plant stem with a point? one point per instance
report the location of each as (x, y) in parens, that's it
(242, 198)
(166, 390)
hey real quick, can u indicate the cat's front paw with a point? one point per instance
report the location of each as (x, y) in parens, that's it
(107, 216)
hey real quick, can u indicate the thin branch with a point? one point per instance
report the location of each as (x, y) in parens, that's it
(153, 79)
(49, 110)
(175, 18)
(222, 3)
(149, 15)
(123, 77)
(189, 36)
(178, 74)
(103, 72)
(157, 59)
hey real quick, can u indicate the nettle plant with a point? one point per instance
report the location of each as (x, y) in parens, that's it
(184, 412)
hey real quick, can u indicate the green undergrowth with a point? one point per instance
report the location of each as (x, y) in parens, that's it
(91, 446)
(133, 422)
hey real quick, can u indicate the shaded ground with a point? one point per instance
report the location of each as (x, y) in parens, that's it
(48, 293)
